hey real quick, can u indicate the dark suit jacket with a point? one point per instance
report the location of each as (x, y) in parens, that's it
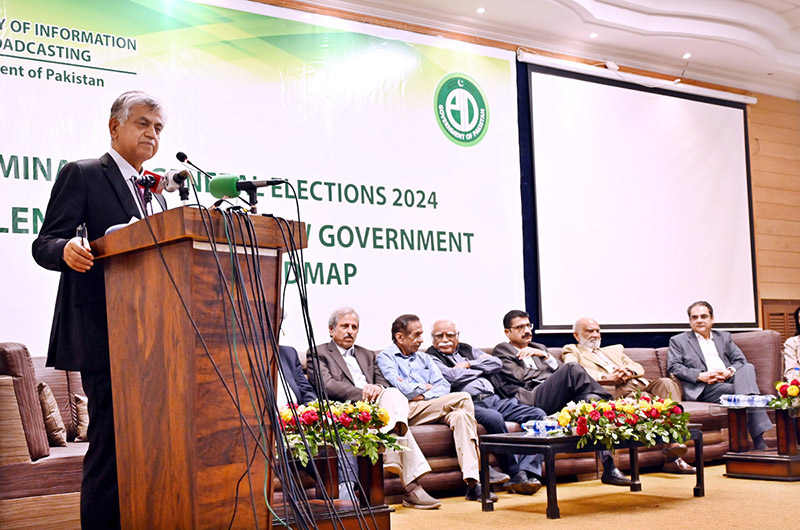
(686, 361)
(336, 376)
(92, 192)
(295, 378)
(515, 375)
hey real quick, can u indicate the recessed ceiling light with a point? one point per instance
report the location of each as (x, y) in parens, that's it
(687, 55)
(592, 35)
(481, 10)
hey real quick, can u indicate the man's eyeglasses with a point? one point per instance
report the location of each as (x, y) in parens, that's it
(522, 327)
(450, 335)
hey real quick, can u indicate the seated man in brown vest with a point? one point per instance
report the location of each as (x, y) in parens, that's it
(623, 377)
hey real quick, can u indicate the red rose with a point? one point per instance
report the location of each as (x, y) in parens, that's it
(345, 420)
(646, 398)
(594, 415)
(581, 428)
(654, 413)
(610, 414)
(632, 420)
(613, 406)
(784, 390)
(308, 417)
(364, 416)
(795, 382)
(676, 410)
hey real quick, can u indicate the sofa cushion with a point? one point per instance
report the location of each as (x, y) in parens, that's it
(754, 345)
(13, 447)
(53, 424)
(647, 358)
(16, 362)
(64, 385)
(82, 415)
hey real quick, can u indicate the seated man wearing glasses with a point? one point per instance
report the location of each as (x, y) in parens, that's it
(538, 379)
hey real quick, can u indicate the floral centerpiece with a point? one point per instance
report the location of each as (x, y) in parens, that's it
(358, 426)
(788, 395)
(646, 420)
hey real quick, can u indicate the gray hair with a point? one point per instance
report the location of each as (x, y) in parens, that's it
(339, 313)
(122, 106)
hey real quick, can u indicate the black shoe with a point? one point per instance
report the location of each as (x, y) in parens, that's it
(523, 484)
(495, 477)
(475, 492)
(615, 478)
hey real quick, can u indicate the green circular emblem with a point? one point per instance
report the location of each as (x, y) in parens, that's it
(461, 109)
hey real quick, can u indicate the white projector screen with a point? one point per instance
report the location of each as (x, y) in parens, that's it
(641, 204)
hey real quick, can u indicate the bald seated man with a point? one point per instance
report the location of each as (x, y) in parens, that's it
(469, 370)
(623, 377)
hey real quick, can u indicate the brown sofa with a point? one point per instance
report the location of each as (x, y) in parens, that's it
(762, 349)
(35, 479)
(39, 484)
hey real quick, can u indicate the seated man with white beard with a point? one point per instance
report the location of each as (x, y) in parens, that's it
(623, 377)
(350, 372)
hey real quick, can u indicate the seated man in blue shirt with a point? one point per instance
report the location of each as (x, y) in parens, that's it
(468, 369)
(430, 401)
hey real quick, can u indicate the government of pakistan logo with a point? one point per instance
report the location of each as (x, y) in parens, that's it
(461, 109)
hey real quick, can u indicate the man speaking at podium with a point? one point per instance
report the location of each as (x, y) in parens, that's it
(88, 197)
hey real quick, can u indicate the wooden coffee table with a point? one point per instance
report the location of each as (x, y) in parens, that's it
(783, 464)
(521, 443)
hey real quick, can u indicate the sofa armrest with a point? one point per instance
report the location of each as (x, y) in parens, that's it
(13, 447)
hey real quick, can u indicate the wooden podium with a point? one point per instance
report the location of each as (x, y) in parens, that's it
(181, 448)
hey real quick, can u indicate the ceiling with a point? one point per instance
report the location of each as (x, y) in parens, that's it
(748, 44)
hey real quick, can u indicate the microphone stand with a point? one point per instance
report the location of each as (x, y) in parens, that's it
(147, 197)
(253, 199)
(183, 192)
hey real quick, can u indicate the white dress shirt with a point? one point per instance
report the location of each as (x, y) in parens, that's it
(352, 364)
(281, 397)
(128, 171)
(713, 361)
(548, 359)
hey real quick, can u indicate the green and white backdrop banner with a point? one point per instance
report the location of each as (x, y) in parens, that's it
(403, 148)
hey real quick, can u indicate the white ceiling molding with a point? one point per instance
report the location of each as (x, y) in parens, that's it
(650, 82)
(751, 45)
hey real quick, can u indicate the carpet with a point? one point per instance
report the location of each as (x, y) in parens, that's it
(666, 502)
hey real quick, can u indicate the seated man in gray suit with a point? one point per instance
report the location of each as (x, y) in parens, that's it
(709, 364)
(350, 372)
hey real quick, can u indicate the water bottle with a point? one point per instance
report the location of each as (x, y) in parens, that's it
(795, 374)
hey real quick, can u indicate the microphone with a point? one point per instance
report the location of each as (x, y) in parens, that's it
(150, 180)
(174, 179)
(231, 186)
